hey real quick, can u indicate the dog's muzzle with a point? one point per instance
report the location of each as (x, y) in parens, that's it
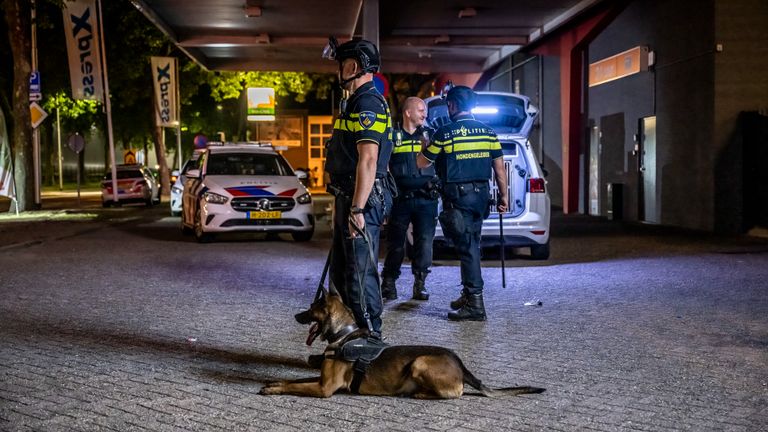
(303, 317)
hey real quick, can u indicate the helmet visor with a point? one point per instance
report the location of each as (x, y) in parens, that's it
(329, 52)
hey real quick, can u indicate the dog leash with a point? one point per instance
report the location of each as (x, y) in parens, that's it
(361, 290)
(321, 285)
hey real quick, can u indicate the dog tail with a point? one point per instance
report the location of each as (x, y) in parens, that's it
(475, 383)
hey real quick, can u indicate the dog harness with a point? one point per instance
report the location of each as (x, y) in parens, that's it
(362, 351)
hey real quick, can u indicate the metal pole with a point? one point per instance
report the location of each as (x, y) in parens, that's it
(501, 234)
(58, 137)
(108, 106)
(35, 132)
(78, 179)
(178, 113)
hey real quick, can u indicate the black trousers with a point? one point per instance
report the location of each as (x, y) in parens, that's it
(353, 271)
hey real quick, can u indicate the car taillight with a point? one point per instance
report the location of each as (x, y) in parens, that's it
(536, 185)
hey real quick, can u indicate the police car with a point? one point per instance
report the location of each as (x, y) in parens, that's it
(178, 178)
(135, 183)
(245, 187)
(526, 223)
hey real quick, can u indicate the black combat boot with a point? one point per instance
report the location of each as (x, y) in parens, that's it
(388, 288)
(459, 302)
(473, 310)
(419, 292)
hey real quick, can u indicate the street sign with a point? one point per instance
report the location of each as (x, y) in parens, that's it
(76, 143)
(34, 86)
(381, 83)
(34, 82)
(129, 157)
(36, 114)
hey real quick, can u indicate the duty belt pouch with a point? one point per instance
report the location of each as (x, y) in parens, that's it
(452, 222)
(391, 185)
(376, 197)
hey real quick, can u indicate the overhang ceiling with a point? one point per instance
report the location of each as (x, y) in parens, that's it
(414, 36)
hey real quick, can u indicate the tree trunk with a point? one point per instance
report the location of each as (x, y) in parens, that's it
(17, 16)
(165, 175)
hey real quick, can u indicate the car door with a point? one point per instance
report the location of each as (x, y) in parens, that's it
(189, 197)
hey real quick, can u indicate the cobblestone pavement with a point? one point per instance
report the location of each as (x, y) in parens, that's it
(122, 324)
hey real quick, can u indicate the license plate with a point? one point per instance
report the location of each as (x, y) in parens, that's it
(264, 215)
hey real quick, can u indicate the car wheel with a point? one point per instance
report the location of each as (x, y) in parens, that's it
(303, 236)
(540, 252)
(149, 201)
(200, 235)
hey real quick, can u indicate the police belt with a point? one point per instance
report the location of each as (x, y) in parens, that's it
(461, 186)
(345, 188)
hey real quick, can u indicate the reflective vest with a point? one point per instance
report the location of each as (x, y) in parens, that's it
(366, 118)
(402, 165)
(463, 151)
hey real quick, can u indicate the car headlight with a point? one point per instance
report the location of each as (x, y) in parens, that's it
(177, 190)
(304, 199)
(214, 198)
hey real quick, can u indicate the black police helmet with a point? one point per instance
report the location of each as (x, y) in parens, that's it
(361, 50)
(462, 96)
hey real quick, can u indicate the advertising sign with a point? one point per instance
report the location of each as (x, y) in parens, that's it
(82, 34)
(261, 104)
(164, 79)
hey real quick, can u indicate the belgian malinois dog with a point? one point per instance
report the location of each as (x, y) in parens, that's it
(426, 372)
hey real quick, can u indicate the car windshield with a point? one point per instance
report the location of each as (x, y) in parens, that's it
(505, 114)
(247, 164)
(124, 174)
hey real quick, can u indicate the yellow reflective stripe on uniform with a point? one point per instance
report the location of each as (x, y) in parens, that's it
(407, 149)
(470, 146)
(355, 126)
(474, 137)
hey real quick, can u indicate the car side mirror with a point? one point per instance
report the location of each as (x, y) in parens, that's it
(193, 173)
(301, 174)
(175, 173)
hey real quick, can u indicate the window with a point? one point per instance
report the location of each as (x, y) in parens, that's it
(247, 164)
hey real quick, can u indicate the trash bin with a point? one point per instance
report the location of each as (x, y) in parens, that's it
(615, 201)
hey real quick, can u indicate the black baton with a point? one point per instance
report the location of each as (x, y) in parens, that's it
(501, 234)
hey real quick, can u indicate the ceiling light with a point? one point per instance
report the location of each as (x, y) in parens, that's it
(252, 11)
(467, 12)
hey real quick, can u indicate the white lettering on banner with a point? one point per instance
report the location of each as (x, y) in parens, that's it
(164, 71)
(82, 47)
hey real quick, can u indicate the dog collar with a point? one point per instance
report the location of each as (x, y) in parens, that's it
(347, 330)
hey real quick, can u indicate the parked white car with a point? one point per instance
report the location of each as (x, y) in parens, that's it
(526, 223)
(135, 183)
(178, 178)
(245, 187)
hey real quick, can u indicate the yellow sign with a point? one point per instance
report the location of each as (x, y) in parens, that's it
(129, 157)
(37, 114)
(261, 104)
(621, 65)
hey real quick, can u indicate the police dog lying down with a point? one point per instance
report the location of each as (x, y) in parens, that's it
(357, 364)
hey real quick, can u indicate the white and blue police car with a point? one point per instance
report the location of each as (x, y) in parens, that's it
(245, 187)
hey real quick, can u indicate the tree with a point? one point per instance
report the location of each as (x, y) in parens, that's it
(17, 18)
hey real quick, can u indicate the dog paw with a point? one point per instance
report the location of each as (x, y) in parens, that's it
(269, 390)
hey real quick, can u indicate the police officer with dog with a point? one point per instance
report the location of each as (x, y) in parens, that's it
(415, 204)
(357, 155)
(465, 152)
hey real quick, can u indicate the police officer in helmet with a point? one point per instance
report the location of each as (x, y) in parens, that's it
(465, 153)
(415, 204)
(356, 160)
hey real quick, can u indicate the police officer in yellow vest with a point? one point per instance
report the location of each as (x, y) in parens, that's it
(465, 153)
(415, 204)
(356, 160)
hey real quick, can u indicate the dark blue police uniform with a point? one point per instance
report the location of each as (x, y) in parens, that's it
(354, 267)
(416, 203)
(463, 152)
